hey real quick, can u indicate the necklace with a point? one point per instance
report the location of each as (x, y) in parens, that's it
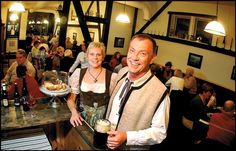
(95, 79)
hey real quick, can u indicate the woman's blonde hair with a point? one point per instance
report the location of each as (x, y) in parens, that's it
(97, 45)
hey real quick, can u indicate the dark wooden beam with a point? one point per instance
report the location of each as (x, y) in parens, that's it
(96, 19)
(155, 16)
(99, 25)
(82, 21)
(135, 21)
(90, 5)
(106, 26)
(63, 23)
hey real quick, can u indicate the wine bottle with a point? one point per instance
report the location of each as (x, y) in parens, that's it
(5, 101)
(25, 96)
(16, 96)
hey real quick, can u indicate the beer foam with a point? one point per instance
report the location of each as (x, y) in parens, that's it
(102, 126)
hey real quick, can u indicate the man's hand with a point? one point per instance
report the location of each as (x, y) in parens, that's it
(115, 139)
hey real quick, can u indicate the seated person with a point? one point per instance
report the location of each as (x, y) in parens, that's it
(32, 85)
(222, 125)
(67, 61)
(21, 59)
(167, 73)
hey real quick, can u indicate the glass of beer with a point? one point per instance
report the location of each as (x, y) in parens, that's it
(101, 127)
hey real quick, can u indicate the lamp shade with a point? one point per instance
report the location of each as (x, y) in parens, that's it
(215, 27)
(123, 18)
(17, 7)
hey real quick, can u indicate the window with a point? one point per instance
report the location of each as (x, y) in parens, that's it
(189, 26)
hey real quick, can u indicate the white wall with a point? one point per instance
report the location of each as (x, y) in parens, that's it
(216, 67)
(119, 29)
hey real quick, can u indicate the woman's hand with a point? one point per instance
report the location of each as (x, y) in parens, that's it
(76, 119)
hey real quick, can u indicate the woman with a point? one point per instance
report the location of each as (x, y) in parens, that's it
(94, 86)
(115, 60)
(80, 59)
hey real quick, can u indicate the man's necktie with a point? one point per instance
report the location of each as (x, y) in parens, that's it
(123, 94)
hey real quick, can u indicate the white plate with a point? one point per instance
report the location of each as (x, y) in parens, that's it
(45, 90)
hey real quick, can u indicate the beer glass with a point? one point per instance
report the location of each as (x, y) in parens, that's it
(101, 127)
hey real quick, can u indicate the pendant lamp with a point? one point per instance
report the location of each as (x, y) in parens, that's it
(123, 18)
(17, 7)
(13, 17)
(215, 27)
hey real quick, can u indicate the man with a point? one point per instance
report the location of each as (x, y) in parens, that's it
(143, 120)
(222, 125)
(21, 56)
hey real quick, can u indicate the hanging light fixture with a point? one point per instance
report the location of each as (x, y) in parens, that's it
(123, 18)
(17, 7)
(215, 27)
(13, 17)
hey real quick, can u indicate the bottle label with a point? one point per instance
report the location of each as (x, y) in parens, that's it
(17, 102)
(5, 102)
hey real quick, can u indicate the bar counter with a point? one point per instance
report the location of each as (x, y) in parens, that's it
(54, 121)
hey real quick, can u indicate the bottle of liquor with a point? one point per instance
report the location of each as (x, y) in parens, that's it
(16, 96)
(25, 96)
(5, 101)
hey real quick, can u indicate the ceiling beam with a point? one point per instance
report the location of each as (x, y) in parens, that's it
(82, 21)
(155, 16)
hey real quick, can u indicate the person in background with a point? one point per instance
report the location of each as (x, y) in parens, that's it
(115, 60)
(176, 82)
(121, 65)
(75, 48)
(68, 43)
(212, 104)
(67, 61)
(28, 42)
(80, 59)
(35, 49)
(21, 59)
(156, 70)
(221, 132)
(39, 62)
(197, 111)
(93, 84)
(31, 83)
(143, 120)
(167, 73)
(190, 84)
(56, 58)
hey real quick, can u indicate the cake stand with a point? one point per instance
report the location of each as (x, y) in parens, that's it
(55, 101)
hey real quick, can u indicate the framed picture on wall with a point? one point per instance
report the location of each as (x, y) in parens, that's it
(119, 42)
(92, 34)
(233, 75)
(195, 60)
(12, 44)
(74, 36)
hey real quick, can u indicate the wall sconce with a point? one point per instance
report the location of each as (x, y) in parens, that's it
(215, 27)
(17, 7)
(123, 18)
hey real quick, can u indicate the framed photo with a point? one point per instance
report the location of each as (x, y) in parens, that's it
(233, 75)
(73, 15)
(119, 42)
(74, 36)
(195, 60)
(12, 44)
(92, 34)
